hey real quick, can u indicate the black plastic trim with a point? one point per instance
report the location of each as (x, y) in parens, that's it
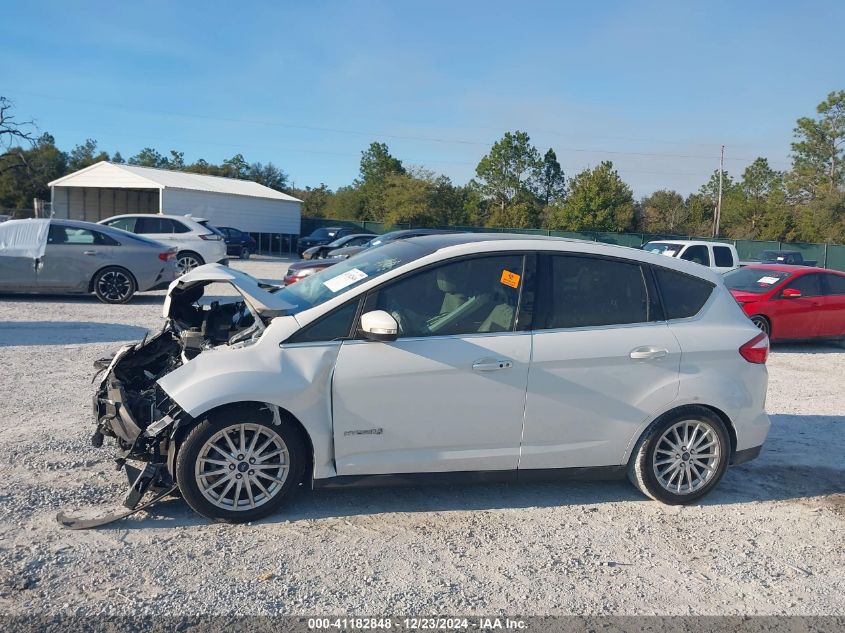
(593, 473)
(746, 455)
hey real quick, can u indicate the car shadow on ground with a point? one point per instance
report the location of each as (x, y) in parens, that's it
(792, 467)
(809, 347)
(18, 333)
(151, 298)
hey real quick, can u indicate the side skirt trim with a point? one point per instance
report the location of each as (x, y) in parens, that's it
(595, 473)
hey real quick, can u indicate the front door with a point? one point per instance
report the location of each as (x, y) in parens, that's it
(799, 317)
(449, 394)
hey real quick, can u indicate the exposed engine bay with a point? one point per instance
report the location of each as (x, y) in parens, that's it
(132, 408)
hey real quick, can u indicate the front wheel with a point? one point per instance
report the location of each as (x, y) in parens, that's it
(763, 323)
(237, 468)
(114, 285)
(681, 457)
(244, 253)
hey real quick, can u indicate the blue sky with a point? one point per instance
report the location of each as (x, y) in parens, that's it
(655, 87)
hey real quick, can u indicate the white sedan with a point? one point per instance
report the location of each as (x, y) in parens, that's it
(450, 357)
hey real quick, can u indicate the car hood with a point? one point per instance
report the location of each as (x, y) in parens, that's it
(254, 292)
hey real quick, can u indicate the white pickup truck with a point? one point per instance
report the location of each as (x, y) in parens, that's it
(719, 256)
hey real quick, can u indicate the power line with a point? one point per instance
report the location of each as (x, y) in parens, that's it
(370, 134)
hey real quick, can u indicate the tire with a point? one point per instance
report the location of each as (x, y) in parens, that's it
(188, 260)
(693, 477)
(244, 253)
(217, 496)
(114, 285)
(763, 324)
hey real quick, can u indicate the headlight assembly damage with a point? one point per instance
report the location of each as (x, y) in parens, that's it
(129, 405)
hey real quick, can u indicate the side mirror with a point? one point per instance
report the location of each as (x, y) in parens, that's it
(791, 293)
(379, 325)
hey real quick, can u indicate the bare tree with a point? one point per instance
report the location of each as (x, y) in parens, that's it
(12, 134)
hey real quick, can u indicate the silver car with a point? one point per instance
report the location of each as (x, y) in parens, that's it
(68, 256)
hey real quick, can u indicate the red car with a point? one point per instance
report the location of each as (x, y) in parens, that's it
(791, 302)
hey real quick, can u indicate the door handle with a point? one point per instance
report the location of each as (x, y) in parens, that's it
(492, 364)
(648, 353)
(89, 252)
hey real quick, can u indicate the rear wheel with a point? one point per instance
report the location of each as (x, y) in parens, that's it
(244, 253)
(236, 467)
(681, 457)
(188, 260)
(114, 285)
(763, 323)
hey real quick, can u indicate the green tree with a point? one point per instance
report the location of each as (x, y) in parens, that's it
(85, 155)
(817, 153)
(377, 166)
(598, 199)
(117, 159)
(30, 169)
(552, 182)
(176, 160)
(148, 157)
(314, 201)
(511, 168)
(268, 175)
(235, 167)
(664, 211)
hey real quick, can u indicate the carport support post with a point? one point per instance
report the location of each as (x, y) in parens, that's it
(161, 200)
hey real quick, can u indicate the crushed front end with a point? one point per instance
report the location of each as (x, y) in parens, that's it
(130, 406)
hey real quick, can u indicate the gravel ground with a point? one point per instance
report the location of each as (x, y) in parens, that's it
(769, 540)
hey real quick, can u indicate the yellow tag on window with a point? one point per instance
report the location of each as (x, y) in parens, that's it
(510, 279)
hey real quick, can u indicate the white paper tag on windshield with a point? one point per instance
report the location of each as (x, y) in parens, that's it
(669, 253)
(345, 279)
(768, 281)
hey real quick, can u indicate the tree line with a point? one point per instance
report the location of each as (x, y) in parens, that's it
(515, 186)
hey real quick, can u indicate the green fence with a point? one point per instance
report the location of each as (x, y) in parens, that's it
(827, 255)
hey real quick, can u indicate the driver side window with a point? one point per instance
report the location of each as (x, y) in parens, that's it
(468, 296)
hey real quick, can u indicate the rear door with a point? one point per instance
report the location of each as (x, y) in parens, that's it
(832, 321)
(603, 361)
(799, 317)
(164, 230)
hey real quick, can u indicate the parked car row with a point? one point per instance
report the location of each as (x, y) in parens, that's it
(114, 258)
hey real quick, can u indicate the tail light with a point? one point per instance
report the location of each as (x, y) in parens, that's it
(211, 237)
(756, 350)
(167, 256)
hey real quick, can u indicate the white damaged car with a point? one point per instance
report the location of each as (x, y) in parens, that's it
(450, 357)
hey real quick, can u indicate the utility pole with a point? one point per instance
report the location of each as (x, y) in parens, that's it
(717, 215)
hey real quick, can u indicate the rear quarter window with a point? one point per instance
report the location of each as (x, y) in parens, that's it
(723, 256)
(683, 295)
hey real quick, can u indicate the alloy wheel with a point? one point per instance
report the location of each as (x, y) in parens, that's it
(242, 467)
(114, 286)
(187, 263)
(687, 456)
(761, 323)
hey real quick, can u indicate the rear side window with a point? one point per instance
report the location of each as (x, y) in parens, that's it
(591, 292)
(723, 256)
(697, 254)
(126, 224)
(683, 295)
(835, 284)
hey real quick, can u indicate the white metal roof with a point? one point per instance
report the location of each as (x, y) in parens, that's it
(113, 176)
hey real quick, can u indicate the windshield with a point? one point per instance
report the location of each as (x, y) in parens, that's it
(323, 233)
(346, 275)
(663, 248)
(340, 241)
(756, 280)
